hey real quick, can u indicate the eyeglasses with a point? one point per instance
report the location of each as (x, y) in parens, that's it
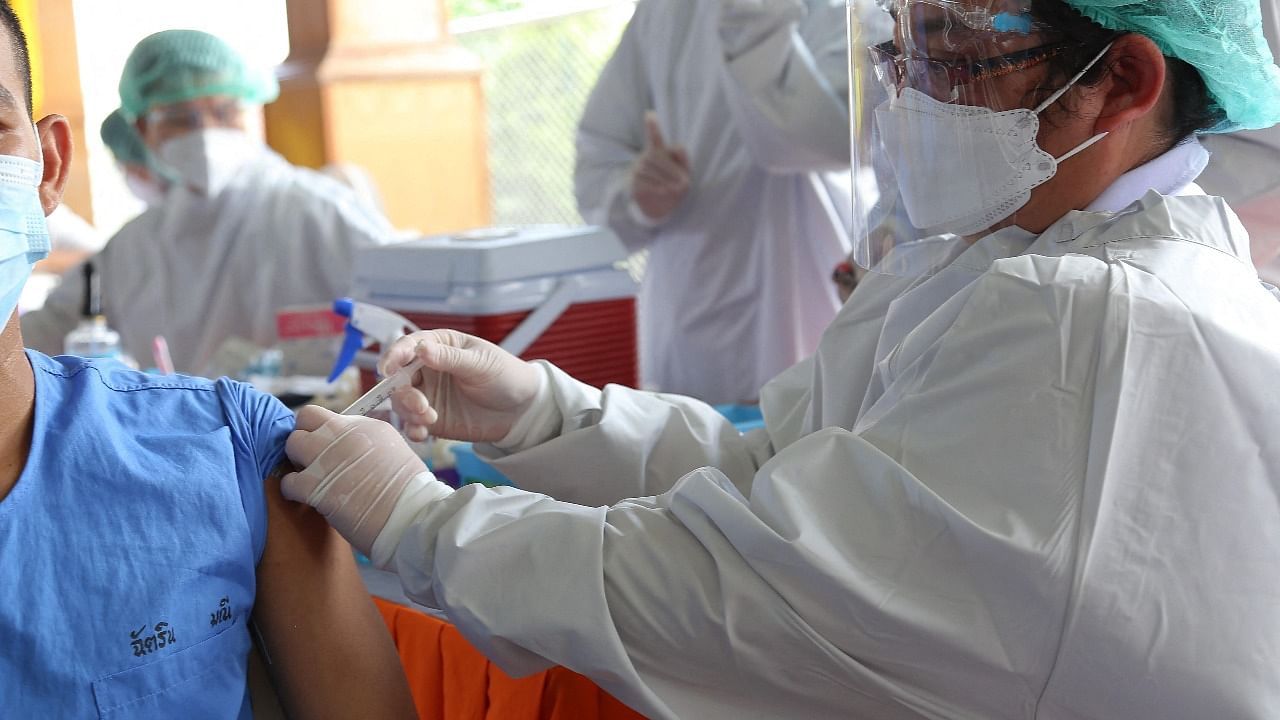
(939, 78)
(185, 118)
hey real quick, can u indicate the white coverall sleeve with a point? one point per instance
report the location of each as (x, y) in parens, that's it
(839, 590)
(653, 596)
(46, 329)
(786, 78)
(626, 443)
(611, 136)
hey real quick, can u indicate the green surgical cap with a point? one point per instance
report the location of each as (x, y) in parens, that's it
(122, 139)
(178, 65)
(1221, 38)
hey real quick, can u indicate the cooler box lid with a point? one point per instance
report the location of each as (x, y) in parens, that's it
(492, 255)
(493, 270)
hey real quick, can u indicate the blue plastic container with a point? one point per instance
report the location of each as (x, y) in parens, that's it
(743, 417)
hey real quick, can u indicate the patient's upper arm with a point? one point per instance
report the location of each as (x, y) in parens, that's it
(330, 652)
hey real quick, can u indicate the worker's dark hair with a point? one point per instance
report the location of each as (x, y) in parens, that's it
(18, 40)
(1193, 109)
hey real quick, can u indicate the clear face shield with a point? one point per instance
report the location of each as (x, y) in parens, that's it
(945, 101)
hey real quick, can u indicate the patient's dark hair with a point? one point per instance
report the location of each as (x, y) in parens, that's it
(18, 45)
(1193, 109)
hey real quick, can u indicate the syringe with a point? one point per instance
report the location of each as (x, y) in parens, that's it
(383, 390)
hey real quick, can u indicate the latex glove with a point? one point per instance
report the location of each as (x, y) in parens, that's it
(361, 476)
(660, 176)
(469, 389)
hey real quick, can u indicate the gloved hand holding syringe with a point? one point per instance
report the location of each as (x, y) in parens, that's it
(455, 386)
(441, 382)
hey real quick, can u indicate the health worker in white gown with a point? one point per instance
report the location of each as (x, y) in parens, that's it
(736, 187)
(1031, 471)
(239, 233)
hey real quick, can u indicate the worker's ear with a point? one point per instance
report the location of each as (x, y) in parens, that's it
(1135, 81)
(55, 143)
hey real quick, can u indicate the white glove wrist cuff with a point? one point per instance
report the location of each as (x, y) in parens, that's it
(539, 422)
(422, 491)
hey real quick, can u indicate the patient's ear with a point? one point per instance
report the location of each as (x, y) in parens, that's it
(55, 144)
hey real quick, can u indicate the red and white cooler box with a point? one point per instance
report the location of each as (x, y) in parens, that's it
(549, 292)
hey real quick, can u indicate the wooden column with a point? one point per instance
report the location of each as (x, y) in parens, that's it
(51, 29)
(380, 83)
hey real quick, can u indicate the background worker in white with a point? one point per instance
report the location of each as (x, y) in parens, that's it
(240, 232)
(726, 186)
(1038, 483)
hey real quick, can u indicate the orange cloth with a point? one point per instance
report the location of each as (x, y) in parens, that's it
(450, 679)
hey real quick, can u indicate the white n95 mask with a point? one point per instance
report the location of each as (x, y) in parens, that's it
(206, 160)
(24, 236)
(961, 168)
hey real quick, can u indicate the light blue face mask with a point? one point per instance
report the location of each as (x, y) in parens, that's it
(24, 236)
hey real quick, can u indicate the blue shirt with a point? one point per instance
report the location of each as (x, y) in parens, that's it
(129, 543)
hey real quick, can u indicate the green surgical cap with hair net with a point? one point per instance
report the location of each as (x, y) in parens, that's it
(179, 65)
(122, 139)
(1222, 39)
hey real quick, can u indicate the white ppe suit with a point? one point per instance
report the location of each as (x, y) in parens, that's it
(201, 270)
(1040, 483)
(756, 93)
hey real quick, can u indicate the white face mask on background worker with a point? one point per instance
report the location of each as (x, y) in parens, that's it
(200, 143)
(206, 160)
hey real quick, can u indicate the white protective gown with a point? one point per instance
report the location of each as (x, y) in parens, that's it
(201, 270)
(756, 93)
(1038, 484)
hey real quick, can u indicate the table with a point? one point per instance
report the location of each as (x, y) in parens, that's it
(451, 680)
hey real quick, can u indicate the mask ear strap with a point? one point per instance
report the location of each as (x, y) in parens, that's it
(38, 241)
(39, 153)
(1080, 148)
(1074, 79)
